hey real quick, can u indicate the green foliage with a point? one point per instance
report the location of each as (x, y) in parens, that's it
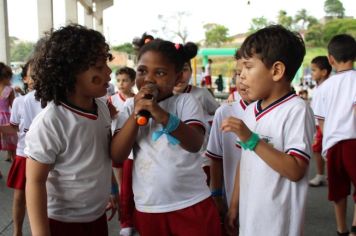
(258, 23)
(313, 52)
(305, 19)
(319, 35)
(215, 35)
(126, 47)
(334, 8)
(20, 51)
(284, 19)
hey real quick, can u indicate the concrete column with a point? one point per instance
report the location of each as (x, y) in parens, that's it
(88, 14)
(100, 6)
(71, 11)
(45, 16)
(4, 34)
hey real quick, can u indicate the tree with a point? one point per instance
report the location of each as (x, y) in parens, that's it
(284, 19)
(126, 47)
(334, 8)
(314, 36)
(215, 34)
(173, 26)
(258, 23)
(319, 35)
(306, 20)
(20, 51)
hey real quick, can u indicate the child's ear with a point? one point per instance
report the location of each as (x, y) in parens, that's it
(179, 78)
(331, 60)
(278, 71)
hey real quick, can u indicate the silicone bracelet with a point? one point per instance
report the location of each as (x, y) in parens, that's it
(251, 143)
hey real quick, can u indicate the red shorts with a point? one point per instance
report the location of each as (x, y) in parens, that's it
(94, 228)
(318, 139)
(207, 80)
(126, 200)
(199, 219)
(17, 174)
(341, 162)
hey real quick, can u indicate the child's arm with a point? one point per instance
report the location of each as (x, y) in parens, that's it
(191, 137)
(123, 141)
(9, 129)
(216, 185)
(233, 213)
(288, 166)
(36, 196)
(321, 125)
(11, 97)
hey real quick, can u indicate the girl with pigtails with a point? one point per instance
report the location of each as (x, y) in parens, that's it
(170, 192)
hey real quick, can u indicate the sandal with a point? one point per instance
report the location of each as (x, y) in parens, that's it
(343, 234)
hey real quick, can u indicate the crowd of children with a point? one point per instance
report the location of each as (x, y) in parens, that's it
(74, 137)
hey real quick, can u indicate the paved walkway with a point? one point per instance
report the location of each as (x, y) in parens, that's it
(319, 213)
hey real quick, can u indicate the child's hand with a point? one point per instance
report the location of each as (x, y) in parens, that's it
(112, 205)
(145, 99)
(231, 225)
(232, 124)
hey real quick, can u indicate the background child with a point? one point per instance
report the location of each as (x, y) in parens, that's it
(206, 100)
(320, 71)
(336, 114)
(68, 174)
(16, 178)
(224, 154)
(125, 78)
(171, 196)
(235, 95)
(7, 141)
(276, 136)
(208, 79)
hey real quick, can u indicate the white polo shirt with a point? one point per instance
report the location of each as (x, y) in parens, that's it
(118, 101)
(31, 108)
(336, 108)
(166, 177)
(16, 119)
(222, 145)
(206, 99)
(76, 145)
(271, 204)
(209, 105)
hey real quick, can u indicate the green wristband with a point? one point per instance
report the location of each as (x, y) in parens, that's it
(251, 143)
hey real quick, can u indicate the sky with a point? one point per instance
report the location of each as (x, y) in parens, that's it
(127, 19)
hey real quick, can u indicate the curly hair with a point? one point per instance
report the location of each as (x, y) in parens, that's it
(62, 55)
(276, 43)
(5, 71)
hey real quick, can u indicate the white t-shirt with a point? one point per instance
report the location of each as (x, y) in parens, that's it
(76, 144)
(271, 204)
(16, 119)
(222, 145)
(209, 105)
(31, 108)
(336, 107)
(166, 177)
(118, 101)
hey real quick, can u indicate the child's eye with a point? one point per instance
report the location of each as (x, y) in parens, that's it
(141, 72)
(161, 73)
